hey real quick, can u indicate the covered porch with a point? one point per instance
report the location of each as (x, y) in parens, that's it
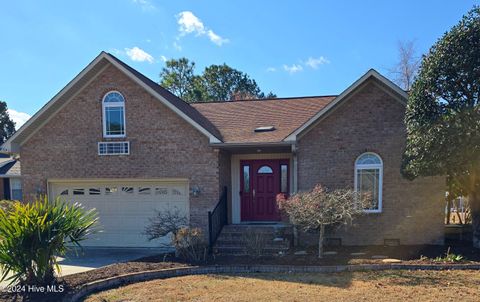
(255, 174)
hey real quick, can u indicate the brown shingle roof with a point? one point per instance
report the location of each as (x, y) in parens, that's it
(237, 120)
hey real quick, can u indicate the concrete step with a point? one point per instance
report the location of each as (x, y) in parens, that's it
(241, 251)
(238, 239)
(276, 244)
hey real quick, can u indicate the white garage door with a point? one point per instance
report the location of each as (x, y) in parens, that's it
(124, 207)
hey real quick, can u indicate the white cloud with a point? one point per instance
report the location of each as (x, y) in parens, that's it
(177, 46)
(216, 38)
(18, 117)
(315, 62)
(311, 62)
(146, 5)
(191, 24)
(139, 55)
(163, 58)
(293, 69)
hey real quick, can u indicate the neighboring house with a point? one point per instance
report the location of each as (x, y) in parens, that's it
(117, 141)
(10, 183)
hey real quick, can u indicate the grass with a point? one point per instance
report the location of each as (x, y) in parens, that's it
(349, 286)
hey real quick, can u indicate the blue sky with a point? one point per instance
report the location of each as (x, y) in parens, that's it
(293, 48)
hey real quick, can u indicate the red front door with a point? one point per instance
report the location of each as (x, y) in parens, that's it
(260, 182)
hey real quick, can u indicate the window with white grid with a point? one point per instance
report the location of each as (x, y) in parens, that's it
(113, 148)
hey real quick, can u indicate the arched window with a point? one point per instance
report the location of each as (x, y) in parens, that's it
(265, 170)
(368, 179)
(113, 107)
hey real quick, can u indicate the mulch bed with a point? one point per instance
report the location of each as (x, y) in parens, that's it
(408, 255)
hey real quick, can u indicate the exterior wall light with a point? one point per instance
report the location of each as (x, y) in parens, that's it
(195, 191)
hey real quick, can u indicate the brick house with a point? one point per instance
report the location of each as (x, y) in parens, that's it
(117, 141)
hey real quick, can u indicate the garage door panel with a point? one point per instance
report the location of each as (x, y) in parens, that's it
(124, 207)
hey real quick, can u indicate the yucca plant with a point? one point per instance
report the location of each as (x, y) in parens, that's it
(32, 235)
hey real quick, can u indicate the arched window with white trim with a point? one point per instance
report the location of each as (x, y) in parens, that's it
(368, 179)
(113, 108)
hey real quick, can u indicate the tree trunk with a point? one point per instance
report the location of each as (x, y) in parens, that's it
(449, 208)
(320, 241)
(474, 201)
(295, 236)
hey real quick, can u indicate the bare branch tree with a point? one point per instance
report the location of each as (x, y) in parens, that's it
(165, 222)
(404, 72)
(318, 208)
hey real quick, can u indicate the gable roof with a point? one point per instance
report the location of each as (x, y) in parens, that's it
(175, 101)
(88, 74)
(237, 120)
(230, 122)
(388, 86)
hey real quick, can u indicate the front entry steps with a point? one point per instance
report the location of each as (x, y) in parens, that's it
(254, 240)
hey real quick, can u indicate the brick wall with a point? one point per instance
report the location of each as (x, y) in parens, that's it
(162, 145)
(373, 121)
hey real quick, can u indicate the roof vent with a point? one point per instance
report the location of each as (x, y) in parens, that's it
(264, 129)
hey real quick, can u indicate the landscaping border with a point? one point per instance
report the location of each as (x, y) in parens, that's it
(112, 282)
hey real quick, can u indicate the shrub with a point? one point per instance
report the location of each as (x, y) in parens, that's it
(164, 223)
(449, 257)
(190, 244)
(254, 243)
(33, 234)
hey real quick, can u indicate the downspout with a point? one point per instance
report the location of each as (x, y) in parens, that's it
(294, 169)
(295, 187)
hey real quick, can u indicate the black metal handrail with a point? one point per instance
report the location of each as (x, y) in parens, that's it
(217, 218)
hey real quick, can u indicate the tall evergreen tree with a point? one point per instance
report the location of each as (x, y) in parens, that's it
(7, 126)
(443, 114)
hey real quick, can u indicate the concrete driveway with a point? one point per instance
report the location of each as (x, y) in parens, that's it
(92, 258)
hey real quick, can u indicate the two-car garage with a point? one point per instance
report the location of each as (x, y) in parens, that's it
(124, 206)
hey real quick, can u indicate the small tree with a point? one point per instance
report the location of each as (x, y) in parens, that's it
(316, 209)
(164, 223)
(406, 69)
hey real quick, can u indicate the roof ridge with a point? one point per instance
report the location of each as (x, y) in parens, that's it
(268, 99)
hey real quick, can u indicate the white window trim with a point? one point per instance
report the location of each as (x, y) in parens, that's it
(380, 179)
(113, 154)
(104, 119)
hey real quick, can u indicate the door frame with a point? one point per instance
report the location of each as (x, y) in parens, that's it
(254, 164)
(235, 178)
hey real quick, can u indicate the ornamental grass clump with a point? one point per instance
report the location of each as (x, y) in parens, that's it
(318, 208)
(32, 235)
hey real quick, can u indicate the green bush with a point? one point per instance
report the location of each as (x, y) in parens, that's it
(33, 234)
